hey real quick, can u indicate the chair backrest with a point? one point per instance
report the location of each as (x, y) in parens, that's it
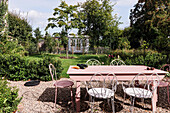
(93, 62)
(102, 81)
(52, 71)
(117, 62)
(166, 67)
(145, 82)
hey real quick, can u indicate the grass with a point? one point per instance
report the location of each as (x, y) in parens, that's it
(78, 59)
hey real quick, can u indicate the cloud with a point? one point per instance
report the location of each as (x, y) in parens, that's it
(125, 2)
(35, 18)
(74, 2)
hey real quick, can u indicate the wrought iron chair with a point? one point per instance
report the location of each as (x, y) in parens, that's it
(165, 67)
(141, 87)
(93, 62)
(98, 85)
(60, 83)
(117, 62)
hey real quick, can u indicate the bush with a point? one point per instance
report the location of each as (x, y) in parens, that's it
(12, 47)
(14, 67)
(137, 57)
(8, 98)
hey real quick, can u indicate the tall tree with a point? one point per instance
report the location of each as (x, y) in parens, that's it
(66, 18)
(98, 19)
(3, 16)
(20, 29)
(150, 22)
(38, 35)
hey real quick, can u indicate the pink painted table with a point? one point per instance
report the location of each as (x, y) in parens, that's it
(127, 72)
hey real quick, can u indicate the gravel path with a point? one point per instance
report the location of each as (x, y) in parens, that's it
(40, 99)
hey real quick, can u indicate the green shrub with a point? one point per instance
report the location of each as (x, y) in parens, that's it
(151, 59)
(136, 57)
(8, 98)
(14, 67)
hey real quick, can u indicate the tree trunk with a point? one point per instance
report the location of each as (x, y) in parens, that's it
(37, 48)
(67, 52)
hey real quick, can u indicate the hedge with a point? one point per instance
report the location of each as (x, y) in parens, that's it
(15, 67)
(136, 57)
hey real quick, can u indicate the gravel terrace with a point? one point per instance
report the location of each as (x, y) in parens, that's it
(40, 99)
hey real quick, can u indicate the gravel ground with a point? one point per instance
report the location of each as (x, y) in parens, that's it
(40, 99)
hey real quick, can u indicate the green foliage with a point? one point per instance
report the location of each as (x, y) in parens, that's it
(99, 23)
(14, 67)
(3, 10)
(19, 29)
(123, 43)
(8, 98)
(50, 45)
(136, 57)
(12, 47)
(66, 18)
(38, 36)
(150, 22)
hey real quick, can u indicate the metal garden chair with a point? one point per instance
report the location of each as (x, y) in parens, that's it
(93, 62)
(117, 62)
(97, 87)
(60, 83)
(141, 87)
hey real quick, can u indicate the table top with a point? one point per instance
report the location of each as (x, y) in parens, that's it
(128, 69)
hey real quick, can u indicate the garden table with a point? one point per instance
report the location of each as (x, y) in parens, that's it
(127, 72)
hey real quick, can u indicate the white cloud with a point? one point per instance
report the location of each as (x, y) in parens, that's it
(125, 2)
(74, 2)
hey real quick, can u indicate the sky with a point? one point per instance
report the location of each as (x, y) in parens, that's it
(38, 11)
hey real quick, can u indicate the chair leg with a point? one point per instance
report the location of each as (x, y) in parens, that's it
(152, 104)
(55, 97)
(108, 101)
(124, 98)
(132, 104)
(143, 101)
(72, 98)
(90, 100)
(168, 93)
(158, 91)
(113, 106)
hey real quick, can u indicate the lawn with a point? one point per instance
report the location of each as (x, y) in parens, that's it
(78, 58)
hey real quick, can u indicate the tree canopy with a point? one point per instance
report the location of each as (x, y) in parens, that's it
(66, 19)
(150, 22)
(99, 23)
(3, 16)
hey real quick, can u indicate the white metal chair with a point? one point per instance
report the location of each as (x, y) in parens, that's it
(141, 87)
(98, 85)
(117, 62)
(93, 62)
(60, 83)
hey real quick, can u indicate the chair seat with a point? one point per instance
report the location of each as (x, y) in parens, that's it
(138, 92)
(63, 83)
(101, 93)
(163, 84)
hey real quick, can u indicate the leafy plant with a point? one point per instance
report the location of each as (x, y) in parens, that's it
(8, 98)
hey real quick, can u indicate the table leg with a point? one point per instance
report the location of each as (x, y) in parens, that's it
(78, 96)
(154, 98)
